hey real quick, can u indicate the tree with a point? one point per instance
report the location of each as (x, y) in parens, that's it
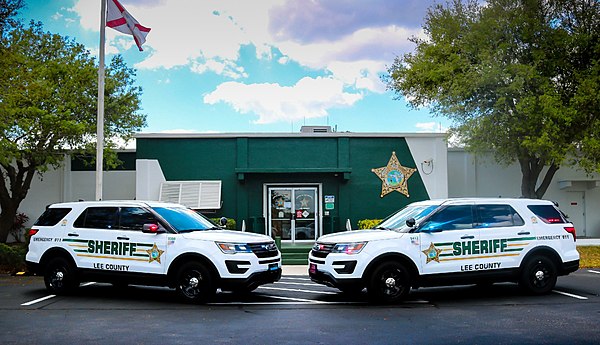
(8, 10)
(519, 78)
(48, 105)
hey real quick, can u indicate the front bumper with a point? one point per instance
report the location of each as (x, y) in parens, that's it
(252, 282)
(326, 278)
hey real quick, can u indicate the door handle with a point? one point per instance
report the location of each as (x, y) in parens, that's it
(467, 237)
(73, 235)
(524, 233)
(123, 238)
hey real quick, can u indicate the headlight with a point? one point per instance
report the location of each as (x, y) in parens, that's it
(232, 248)
(349, 248)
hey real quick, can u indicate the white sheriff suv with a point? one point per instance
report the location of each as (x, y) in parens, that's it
(448, 242)
(147, 243)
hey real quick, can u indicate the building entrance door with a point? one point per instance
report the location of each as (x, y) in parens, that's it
(293, 213)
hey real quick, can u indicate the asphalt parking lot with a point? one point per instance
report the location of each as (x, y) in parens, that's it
(297, 311)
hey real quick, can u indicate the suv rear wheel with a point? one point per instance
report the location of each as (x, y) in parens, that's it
(539, 275)
(59, 276)
(194, 283)
(389, 283)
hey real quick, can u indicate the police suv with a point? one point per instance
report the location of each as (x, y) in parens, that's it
(447, 242)
(147, 243)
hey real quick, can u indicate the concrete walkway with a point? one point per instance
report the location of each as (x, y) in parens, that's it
(302, 270)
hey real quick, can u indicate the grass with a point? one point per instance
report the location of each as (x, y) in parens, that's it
(589, 256)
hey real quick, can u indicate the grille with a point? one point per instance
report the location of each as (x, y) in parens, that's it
(264, 250)
(321, 250)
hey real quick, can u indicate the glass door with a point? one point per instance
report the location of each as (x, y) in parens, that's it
(293, 213)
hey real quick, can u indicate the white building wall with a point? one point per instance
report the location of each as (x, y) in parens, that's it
(577, 194)
(63, 185)
(430, 155)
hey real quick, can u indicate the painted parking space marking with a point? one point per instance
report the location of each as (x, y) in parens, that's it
(592, 271)
(297, 290)
(303, 284)
(569, 294)
(37, 300)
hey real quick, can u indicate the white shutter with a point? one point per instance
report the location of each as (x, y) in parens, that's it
(201, 195)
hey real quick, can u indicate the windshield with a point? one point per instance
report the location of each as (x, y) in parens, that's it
(184, 219)
(397, 221)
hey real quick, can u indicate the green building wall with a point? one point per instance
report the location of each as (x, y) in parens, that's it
(244, 164)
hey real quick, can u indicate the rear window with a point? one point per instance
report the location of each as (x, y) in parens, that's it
(52, 216)
(547, 213)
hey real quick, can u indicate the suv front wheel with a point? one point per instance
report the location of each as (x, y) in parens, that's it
(194, 283)
(539, 275)
(389, 283)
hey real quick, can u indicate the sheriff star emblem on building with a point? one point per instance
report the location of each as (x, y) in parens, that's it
(394, 176)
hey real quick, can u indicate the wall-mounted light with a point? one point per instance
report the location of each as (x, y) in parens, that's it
(427, 166)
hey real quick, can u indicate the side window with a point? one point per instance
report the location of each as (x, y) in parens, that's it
(97, 218)
(134, 218)
(52, 216)
(547, 213)
(494, 216)
(455, 217)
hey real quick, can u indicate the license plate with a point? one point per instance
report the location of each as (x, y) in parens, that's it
(273, 267)
(312, 268)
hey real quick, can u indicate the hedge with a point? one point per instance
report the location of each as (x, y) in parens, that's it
(368, 223)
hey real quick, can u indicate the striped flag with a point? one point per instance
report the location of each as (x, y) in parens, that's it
(119, 19)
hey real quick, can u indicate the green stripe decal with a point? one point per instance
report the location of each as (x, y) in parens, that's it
(74, 240)
(520, 239)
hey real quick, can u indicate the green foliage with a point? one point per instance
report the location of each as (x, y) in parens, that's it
(231, 223)
(520, 79)
(12, 258)
(48, 108)
(368, 223)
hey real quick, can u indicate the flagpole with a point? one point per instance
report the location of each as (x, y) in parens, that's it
(100, 115)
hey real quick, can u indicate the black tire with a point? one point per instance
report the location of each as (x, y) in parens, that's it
(194, 283)
(59, 277)
(538, 275)
(389, 283)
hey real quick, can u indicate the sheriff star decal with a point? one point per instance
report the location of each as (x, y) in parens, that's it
(432, 253)
(394, 176)
(154, 253)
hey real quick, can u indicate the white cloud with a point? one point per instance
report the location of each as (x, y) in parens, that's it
(207, 36)
(309, 98)
(430, 127)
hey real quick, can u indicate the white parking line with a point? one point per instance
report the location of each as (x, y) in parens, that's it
(293, 278)
(569, 294)
(298, 290)
(292, 283)
(592, 271)
(37, 300)
(88, 284)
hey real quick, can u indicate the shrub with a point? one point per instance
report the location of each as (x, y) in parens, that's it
(12, 257)
(231, 223)
(18, 227)
(368, 223)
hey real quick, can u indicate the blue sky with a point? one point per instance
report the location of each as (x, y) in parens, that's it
(259, 66)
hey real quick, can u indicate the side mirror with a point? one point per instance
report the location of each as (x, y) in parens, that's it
(223, 221)
(153, 229)
(410, 222)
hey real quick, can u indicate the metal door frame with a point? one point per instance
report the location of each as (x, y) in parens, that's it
(318, 187)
